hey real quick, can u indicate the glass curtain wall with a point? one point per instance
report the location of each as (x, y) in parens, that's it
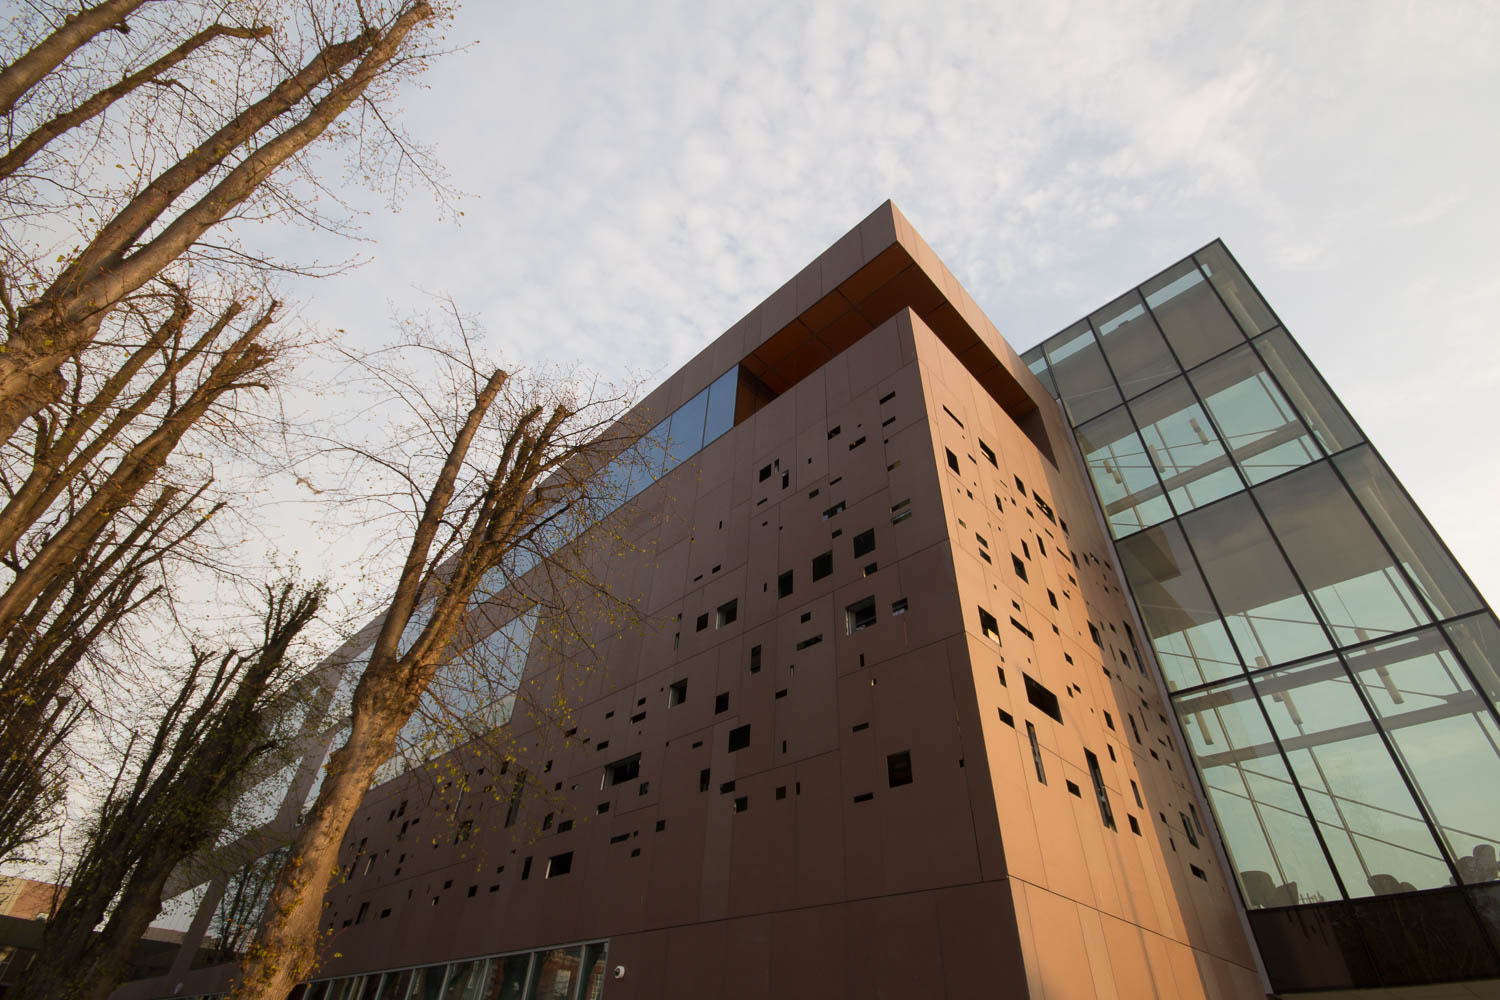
(1334, 670)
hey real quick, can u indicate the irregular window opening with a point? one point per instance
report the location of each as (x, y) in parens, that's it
(624, 769)
(677, 693)
(739, 738)
(822, 565)
(727, 613)
(1105, 812)
(864, 543)
(989, 455)
(989, 626)
(1042, 697)
(559, 864)
(721, 702)
(1036, 753)
(952, 460)
(784, 584)
(860, 615)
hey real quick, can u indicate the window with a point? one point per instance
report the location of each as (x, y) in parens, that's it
(784, 584)
(1036, 753)
(721, 702)
(703, 780)
(834, 511)
(1018, 566)
(898, 606)
(989, 455)
(1101, 793)
(727, 613)
(517, 790)
(559, 864)
(1187, 828)
(702, 621)
(898, 768)
(677, 693)
(624, 769)
(1042, 698)
(739, 738)
(989, 627)
(822, 565)
(755, 659)
(864, 543)
(952, 460)
(860, 615)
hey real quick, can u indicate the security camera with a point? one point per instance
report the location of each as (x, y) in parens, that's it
(619, 972)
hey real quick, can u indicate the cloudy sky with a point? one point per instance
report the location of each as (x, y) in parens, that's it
(641, 175)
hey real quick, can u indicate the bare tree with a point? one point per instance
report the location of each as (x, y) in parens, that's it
(54, 310)
(510, 468)
(168, 803)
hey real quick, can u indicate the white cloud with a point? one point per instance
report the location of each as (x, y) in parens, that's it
(645, 174)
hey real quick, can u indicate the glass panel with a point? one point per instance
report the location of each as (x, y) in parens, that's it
(317, 991)
(1445, 737)
(684, 437)
(1341, 562)
(595, 961)
(1318, 406)
(1371, 826)
(1267, 614)
(395, 985)
(1190, 314)
(1478, 642)
(721, 396)
(556, 975)
(1127, 486)
(427, 983)
(1086, 387)
(466, 980)
(1235, 289)
(1036, 360)
(1263, 434)
(1134, 346)
(1398, 521)
(1190, 641)
(1270, 840)
(509, 977)
(1183, 447)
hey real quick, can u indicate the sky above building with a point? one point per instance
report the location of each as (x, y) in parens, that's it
(639, 176)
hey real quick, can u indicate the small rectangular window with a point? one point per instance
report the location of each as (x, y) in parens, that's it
(1187, 828)
(1094, 634)
(864, 543)
(898, 768)
(952, 460)
(677, 693)
(859, 615)
(755, 659)
(1135, 827)
(526, 868)
(559, 864)
(721, 702)
(806, 643)
(834, 511)
(1018, 566)
(703, 781)
(739, 738)
(1136, 791)
(822, 565)
(989, 626)
(784, 584)
(1021, 486)
(702, 621)
(898, 606)
(1036, 753)
(1007, 718)
(622, 770)
(1105, 812)
(727, 613)
(1052, 598)
(989, 455)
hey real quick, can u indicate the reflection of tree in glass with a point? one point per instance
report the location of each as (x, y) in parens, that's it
(239, 910)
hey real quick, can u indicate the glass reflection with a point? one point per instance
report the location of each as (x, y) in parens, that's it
(1264, 608)
(1323, 413)
(1372, 828)
(1036, 361)
(1343, 566)
(1423, 556)
(1182, 446)
(1135, 348)
(1190, 314)
(1478, 642)
(1123, 474)
(1235, 289)
(1084, 384)
(556, 974)
(1262, 432)
(1446, 739)
(1269, 838)
(1186, 632)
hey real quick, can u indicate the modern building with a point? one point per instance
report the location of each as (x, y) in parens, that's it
(1121, 670)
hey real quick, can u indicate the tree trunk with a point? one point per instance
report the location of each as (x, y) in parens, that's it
(42, 58)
